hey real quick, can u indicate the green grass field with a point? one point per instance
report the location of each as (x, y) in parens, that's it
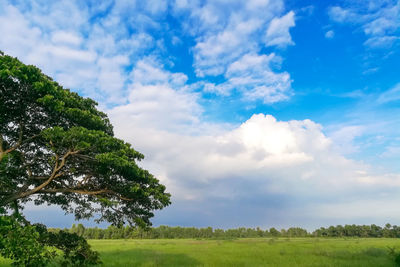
(245, 252)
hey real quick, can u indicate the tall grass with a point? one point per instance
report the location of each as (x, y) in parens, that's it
(246, 252)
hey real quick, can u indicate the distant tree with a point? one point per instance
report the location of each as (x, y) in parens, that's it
(260, 232)
(273, 232)
(296, 232)
(376, 231)
(283, 232)
(80, 230)
(219, 233)
(57, 148)
(387, 231)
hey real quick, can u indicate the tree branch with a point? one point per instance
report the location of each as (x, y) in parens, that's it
(78, 191)
(54, 175)
(86, 157)
(19, 142)
(84, 181)
(1, 144)
(83, 192)
(17, 145)
(1, 148)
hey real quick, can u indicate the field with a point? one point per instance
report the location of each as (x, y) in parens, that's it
(245, 252)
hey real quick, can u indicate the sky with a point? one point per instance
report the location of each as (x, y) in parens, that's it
(251, 112)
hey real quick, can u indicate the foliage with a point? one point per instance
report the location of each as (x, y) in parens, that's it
(395, 254)
(31, 245)
(169, 232)
(54, 141)
(128, 232)
(76, 250)
(21, 242)
(57, 148)
(359, 231)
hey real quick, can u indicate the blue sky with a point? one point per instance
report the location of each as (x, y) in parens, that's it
(253, 113)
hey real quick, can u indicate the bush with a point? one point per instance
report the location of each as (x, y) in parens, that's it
(34, 245)
(21, 243)
(395, 254)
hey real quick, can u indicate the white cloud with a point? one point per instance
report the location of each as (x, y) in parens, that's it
(342, 15)
(20, 34)
(390, 95)
(277, 33)
(380, 26)
(329, 34)
(228, 34)
(380, 21)
(370, 70)
(226, 31)
(66, 38)
(94, 58)
(381, 41)
(111, 79)
(286, 159)
(215, 52)
(158, 99)
(343, 138)
(158, 106)
(67, 15)
(390, 152)
(156, 7)
(159, 111)
(255, 77)
(149, 71)
(59, 39)
(57, 53)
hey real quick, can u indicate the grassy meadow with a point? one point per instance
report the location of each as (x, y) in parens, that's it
(245, 252)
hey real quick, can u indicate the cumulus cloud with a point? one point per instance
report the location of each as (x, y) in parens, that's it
(293, 161)
(158, 99)
(260, 170)
(220, 174)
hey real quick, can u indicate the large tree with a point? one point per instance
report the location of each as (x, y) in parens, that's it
(57, 148)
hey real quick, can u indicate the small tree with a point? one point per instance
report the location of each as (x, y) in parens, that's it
(57, 148)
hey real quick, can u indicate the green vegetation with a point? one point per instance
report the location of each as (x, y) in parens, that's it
(57, 148)
(163, 231)
(246, 252)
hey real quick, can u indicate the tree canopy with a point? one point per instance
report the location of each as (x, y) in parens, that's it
(57, 148)
(55, 145)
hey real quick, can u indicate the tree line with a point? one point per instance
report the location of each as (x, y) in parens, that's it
(168, 232)
(359, 231)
